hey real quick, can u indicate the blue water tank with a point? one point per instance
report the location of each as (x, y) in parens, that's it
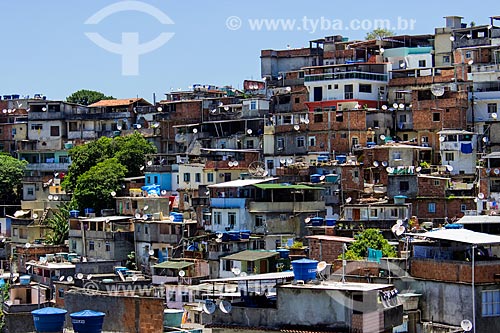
(316, 178)
(330, 222)
(234, 235)
(283, 253)
(304, 269)
(317, 221)
(245, 234)
(454, 226)
(178, 217)
(74, 213)
(49, 319)
(24, 279)
(331, 178)
(172, 317)
(87, 321)
(341, 159)
(88, 211)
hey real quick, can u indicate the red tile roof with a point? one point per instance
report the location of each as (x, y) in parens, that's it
(118, 102)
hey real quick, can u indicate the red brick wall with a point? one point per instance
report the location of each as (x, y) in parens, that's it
(453, 271)
(329, 251)
(444, 207)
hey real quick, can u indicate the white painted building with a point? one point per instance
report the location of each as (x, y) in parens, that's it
(458, 151)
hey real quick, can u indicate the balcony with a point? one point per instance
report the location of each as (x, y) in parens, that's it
(287, 207)
(347, 76)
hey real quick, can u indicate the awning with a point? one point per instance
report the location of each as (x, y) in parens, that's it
(174, 264)
(285, 186)
(241, 183)
(461, 236)
(250, 255)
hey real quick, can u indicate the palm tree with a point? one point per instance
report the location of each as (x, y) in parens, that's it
(58, 224)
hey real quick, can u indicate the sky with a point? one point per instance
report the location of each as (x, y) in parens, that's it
(56, 47)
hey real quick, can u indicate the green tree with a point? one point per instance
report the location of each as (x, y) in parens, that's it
(369, 238)
(11, 175)
(58, 224)
(87, 97)
(94, 187)
(379, 34)
(131, 150)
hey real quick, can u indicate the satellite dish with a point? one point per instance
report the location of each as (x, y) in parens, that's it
(399, 222)
(69, 279)
(195, 130)
(307, 220)
(466, 325)
(375, 163)
(225, 306)
(485, 139)
(50, 197)
(243, 274)
(151, 252)
(389, 169)
(442, 138)
(44, 109)
(437, 90)
(480, 195)
(230, 163)
(496, 171)
(219, 235)
(488, 170)
(56, 197)
(395, 105)
(401, 229)
(296, 127)
(209, 307)
(146, 207)
(265, 173)
(182, 273)
(288, 89)
(249, 131)
(113, 193)
(163, 192)
(282, 161)
(348, 200)
(306, 121)
(384, 107)
(470, 62)
(150, 163)
(384, 163)
(418, 169)
(27, 245)
(289, 161)
(394, 228)
(452, 38)
(382, 137)
(494, 115)
(139, 126)
(218, 240)
(235, 163)
(321, 178)
(89, 276)
(142, 167)
(321, 266)
(134, 278)
(79, 276)
(449, 168)
(145, 217)
(401, 106)
(119, 128)
(35, 216)
(236, 271)
(62, 278)
(137, 216)
(226, 108)
(28, 268)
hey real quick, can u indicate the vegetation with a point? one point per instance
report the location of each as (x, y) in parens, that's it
(87, 97)
(11, 174)
(94, 187)
(379, 34)
(58, 224)
(370, 238)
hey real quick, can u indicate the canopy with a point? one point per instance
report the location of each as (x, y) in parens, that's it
(461, 236)
(174, 264)
(251, 255)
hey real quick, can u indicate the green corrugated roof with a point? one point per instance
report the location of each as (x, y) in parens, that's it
(174, 264)
(285, 186)
(251, 255)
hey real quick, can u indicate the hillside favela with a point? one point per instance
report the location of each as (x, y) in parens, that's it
(353, 187)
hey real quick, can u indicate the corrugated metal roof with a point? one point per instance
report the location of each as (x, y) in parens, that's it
(256, 277)
(174, 264)
(251, 255)
(479, 219)
(461, 236)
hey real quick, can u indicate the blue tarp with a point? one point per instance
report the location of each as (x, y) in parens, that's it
(152, 189)
(466, 148)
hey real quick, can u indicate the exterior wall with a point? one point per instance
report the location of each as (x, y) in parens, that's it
(190, 171)
(444, 207)
(394, 186)
(123, 314)
(334, 89)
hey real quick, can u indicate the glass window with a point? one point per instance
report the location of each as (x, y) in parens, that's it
(197, 177)
(300, 142)
(172, 295)
(210, 177)
(431, 207)
(91, 245)
(490, 303)
(259, 220)
(187, 177)
(217, 217)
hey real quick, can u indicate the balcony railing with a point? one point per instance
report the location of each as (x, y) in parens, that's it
(347, 76)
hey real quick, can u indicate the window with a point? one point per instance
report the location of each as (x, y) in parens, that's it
(424, 139)
(73, 126)
(339, 117)
(297, 100)
(449, 156)
(491, 303)
(259, 220)
(375, 123)
(318, 117)
(404, 186)
(108, 246)
(185, 297)
(171, 296)
(446, 59)
(91, 245)
(402, 118)
(436, 182)
(63, 159)
(280, 143)
(468, 54)
(36, 127)
(431, 207)
(146, 229)
(312, 141)
(436, 116)
(343, 135)
(329, 87)
(253, 105)
(270, 164)
(60, 293)
(155, 179)
(210, 177)
(365, 88)
(335, 86)
(396, 155)
(217, 217)
(422, 63)
(393, 212)
(30, 191)
(300, 142)
(187, 177)
(250, 144)
(373, 212)
(197, 177)
(463, 207)
(492, 107)
(231, 218)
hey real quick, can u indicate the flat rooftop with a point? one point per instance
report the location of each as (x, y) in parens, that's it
(347, 286)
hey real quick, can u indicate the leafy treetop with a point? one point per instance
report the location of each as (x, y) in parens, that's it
(369, 238)
(87, 97)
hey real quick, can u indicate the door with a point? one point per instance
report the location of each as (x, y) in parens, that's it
(318, 94)
(356, 214)
(348, 91)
